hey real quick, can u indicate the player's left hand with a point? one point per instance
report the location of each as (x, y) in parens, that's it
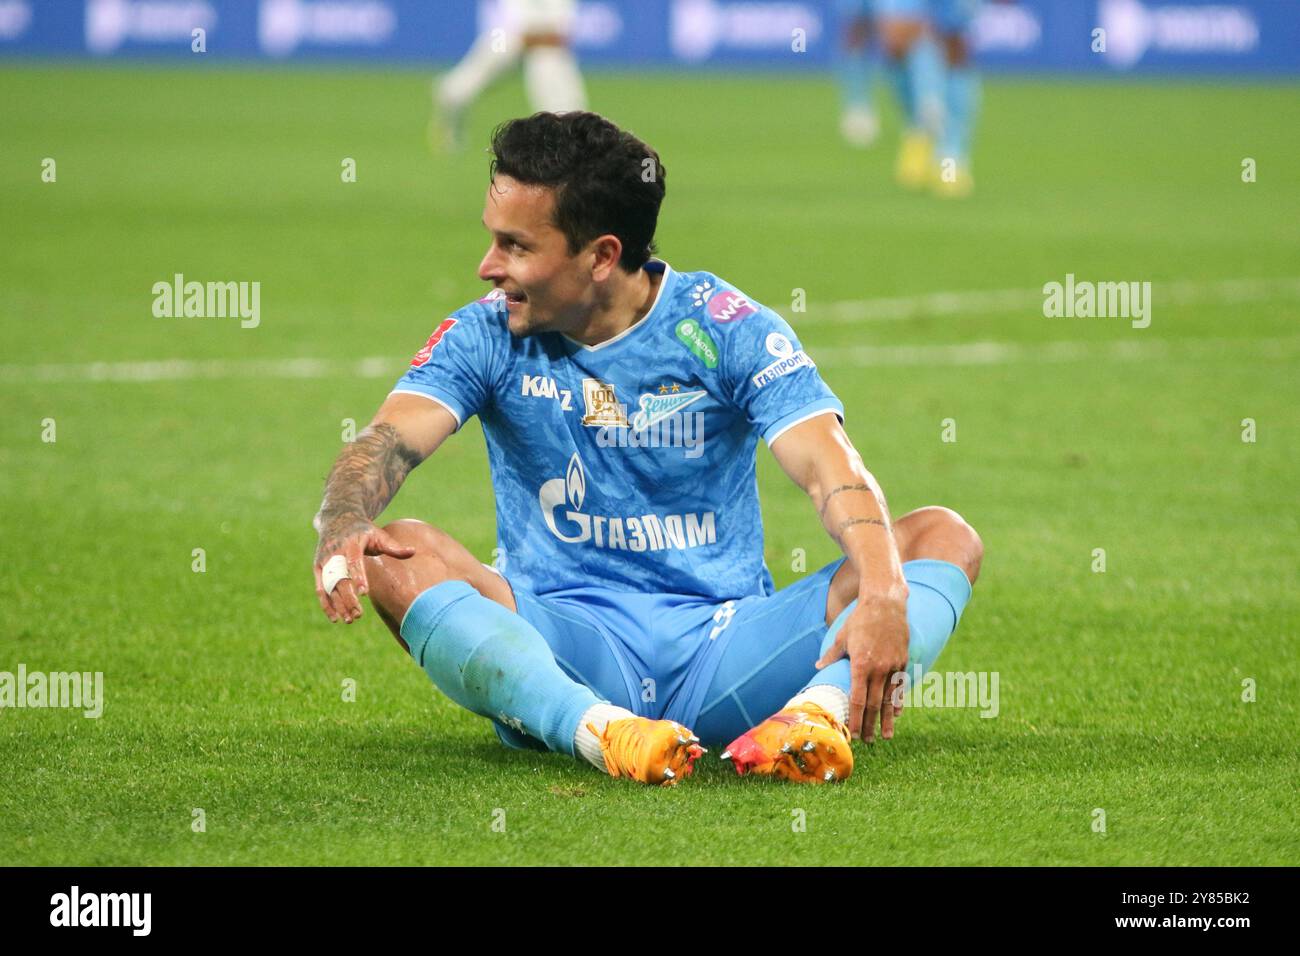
(875, 639)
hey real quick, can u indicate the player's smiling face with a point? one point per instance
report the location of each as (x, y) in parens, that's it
(547, 289)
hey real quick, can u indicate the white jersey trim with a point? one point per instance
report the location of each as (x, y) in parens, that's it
(411, 391)
(800, 421)
(645, 320)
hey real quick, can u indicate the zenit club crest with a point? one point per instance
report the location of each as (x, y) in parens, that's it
(656, 407)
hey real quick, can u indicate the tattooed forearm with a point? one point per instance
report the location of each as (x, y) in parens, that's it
(821, 512)
(850, 522)
(364, 479)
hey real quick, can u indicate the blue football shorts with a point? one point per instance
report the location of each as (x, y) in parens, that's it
(718, 668)
(948, 16)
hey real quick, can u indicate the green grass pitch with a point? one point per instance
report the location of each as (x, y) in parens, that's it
(1120, 691)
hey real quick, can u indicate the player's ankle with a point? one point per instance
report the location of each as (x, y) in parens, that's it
(828, 697)
(586, 744)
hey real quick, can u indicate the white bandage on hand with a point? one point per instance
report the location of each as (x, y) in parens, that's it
(333, 571)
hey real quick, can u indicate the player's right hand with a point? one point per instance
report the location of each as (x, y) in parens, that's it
(874, 638)
(353, 537)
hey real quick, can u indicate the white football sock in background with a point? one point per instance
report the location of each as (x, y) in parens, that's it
(552, 79)
(487, 59)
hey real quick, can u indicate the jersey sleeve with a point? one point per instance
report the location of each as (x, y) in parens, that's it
(773, 379)
(456, 366)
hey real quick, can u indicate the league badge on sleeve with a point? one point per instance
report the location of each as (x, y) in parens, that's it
(422, 356)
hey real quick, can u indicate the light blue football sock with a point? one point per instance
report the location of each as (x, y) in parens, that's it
(937, 593)
(962, 102)
(925, 71)
(896, 70)
(491, 661)
(853, 74)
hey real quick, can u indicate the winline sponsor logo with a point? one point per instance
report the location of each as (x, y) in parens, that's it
(698, 341)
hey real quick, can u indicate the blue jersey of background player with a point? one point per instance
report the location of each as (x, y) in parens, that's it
(928, 59)
(622, 402)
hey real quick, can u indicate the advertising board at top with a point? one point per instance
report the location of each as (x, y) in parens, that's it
(1088, 36)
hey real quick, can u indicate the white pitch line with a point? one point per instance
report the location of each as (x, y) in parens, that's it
(1007, 353)
(860, 356)
(177, 370)
(1175, 291)
(978, 302)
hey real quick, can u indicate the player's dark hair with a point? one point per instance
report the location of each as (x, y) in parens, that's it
(606, 181)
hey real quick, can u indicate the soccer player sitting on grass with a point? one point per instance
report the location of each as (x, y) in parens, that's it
(622, 402)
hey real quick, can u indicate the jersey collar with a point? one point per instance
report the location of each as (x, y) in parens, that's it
(653, 265)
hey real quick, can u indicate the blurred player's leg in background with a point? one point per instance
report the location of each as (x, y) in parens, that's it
(491, 55)
(856, 66)
(537, 30)
(916, 69)
(551, 74)
(961, 98)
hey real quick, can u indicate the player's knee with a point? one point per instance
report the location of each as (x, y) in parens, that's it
(395, 582)
(964, 541)
(417, 534)
(941, 533)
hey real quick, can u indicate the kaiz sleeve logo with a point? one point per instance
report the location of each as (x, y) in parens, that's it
(422, 356)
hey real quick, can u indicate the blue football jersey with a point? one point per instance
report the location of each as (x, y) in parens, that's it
(630, 464)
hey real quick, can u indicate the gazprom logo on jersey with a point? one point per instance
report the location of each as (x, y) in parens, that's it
(647, 532)
(699, 28)
(285, 25)
(112, 23)
(1133, 29)
(787, 360)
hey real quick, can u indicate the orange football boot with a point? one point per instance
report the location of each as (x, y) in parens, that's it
(803, 743)
(652, 751)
